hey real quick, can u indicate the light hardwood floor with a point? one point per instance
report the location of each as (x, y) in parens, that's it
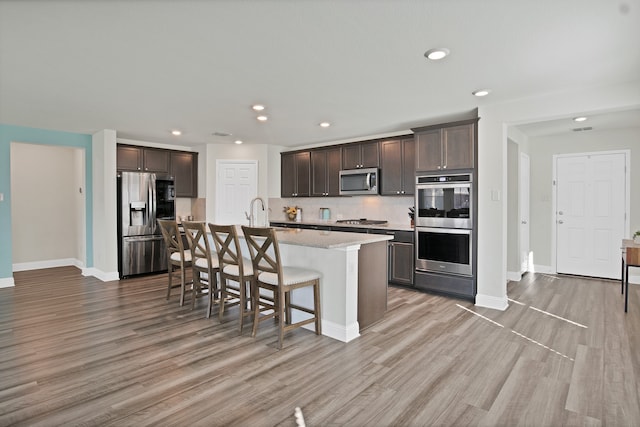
(76, 351)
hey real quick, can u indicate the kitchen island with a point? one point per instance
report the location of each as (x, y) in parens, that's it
(353, 286)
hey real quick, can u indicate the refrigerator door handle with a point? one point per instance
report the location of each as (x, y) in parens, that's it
(152, 201)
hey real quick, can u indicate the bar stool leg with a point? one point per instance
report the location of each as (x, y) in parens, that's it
(626, 292)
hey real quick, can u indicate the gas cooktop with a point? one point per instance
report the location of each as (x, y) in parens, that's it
(361, 221)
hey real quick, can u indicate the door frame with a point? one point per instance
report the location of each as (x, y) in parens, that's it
(524, 157)
(554, 196)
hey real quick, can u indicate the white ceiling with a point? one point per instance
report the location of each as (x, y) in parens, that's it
(144, 68)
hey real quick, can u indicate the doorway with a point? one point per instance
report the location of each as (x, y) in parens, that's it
(236, 185)
(524, 209)
(592, 200)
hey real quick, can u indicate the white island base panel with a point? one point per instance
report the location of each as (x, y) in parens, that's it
(338, 287)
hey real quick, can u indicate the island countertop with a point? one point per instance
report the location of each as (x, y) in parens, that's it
(326, 239)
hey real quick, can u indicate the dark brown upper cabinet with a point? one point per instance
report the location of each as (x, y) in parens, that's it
(360, 155)
(397, 164)
(325, 172)
(446, 147)
(184, 168)
(142, 159)
(295, 174)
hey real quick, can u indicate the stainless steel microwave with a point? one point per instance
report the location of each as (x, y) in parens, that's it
(359, 181)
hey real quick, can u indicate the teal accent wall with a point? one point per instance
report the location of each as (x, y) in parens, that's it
(9, 134)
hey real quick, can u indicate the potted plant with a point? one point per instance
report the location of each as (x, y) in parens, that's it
(636, 237)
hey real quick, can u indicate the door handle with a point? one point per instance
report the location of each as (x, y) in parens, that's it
(560, 213)
(524, 222)
(560, 222)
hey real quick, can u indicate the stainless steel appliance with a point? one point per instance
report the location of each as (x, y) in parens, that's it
(359, 182)
(143, 198)
(444, 201)
(444, 223)
(444, 250)
(362, 221)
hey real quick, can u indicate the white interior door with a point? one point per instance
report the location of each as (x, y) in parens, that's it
(236, 185)
(590, 216)
(523, 201)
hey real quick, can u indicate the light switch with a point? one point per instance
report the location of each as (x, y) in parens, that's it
(1, 197)
(495, 195)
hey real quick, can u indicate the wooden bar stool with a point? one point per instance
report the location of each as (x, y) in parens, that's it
(234, 268)
(281, 280)
(176, 255)
(633, 260)
(204, 262)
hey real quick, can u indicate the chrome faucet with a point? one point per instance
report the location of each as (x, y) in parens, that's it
(250, 217)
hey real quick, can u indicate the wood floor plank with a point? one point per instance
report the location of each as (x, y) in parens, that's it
(77, 351)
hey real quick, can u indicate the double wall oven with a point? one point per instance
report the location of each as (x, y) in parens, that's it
(444, 223)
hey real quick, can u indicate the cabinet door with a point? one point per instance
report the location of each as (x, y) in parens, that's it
(129, 158)
(156, 160)
(287, 175)
(401, 263)
(351, 156)
(369, 157)
(184, 168)
(429, 150)
(391, 167)
(303, 173)
(408, 166)
(333, 171)
(318, 173)
(457, 143)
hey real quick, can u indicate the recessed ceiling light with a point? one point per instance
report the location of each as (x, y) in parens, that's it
(437, 53)
(481, 92)
(238, 142)
(258, 107)
(579, 119)
(325, 124)
(176, 132)
(262, 118)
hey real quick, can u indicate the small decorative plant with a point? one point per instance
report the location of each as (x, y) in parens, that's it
(291, 212)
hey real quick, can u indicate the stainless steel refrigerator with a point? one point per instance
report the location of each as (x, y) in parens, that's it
(143, 198)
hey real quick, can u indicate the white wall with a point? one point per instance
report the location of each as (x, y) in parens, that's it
(492, 169)
(47, 209)
(105, 233)
(513, 211)
(542, 150)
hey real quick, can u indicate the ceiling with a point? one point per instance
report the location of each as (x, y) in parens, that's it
(144, 68)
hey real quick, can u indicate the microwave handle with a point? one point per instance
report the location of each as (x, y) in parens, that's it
(369, 180)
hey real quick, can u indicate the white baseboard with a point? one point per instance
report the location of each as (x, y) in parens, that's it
(338, 332)
(6, 282)
(99, 274)
(496, 303)
(545, 269)
(513, 276)
(37, 265)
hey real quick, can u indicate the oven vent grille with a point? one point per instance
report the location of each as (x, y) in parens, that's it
(582, 129)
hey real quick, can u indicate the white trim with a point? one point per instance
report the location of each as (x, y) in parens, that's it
(338, 332)
(7, 282)
(634, 278)
(544, 269)
(513, 276)
(99, 274)
(488, 301)
(50, 263)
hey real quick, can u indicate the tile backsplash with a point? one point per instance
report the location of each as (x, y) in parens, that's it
(390, 208)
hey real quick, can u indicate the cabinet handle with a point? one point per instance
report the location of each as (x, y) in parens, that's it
(402, 191)
(444, 167)
(397, 192)
(438, 167)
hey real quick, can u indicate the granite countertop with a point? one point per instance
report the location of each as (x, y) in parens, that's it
(389, 226)
(326, 239)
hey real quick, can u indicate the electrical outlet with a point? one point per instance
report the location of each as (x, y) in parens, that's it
(1, 197)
